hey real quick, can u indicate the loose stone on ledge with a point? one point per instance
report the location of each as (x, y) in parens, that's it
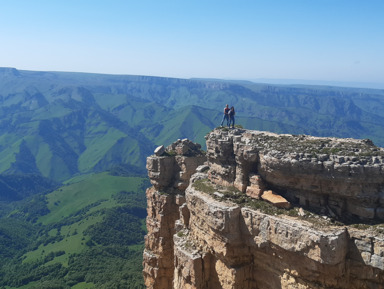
(276, 200)
(159, 150)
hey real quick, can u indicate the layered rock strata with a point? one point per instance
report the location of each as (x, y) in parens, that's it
(208, 227)
(344, 175)
(169, 174)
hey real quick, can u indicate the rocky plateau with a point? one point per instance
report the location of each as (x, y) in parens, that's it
(260, 210)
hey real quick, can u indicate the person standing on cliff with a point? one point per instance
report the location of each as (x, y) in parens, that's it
(225, 116)
(231, 114)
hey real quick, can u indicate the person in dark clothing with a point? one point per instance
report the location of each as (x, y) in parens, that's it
(231, 115)
(225, 116)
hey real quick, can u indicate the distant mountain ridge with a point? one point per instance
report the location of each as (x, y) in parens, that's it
(59, 124)
(71, 127)
(374, 85)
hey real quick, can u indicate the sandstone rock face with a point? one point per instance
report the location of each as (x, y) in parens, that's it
(169, 174)
(158, 255)
(208, 229)
(174, 167)
(346, 175)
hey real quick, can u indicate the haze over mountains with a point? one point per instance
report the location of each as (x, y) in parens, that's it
(64, 221)
(374, 85)
(59, 124)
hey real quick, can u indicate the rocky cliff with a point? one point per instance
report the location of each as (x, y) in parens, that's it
(261, 210)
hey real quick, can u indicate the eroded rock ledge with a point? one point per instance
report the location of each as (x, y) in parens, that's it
(207, 227)
(344, 175)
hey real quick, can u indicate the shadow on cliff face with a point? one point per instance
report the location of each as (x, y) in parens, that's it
(213, 280)
(362, 252)
(324, 213)
(259, 264)
(354, 254)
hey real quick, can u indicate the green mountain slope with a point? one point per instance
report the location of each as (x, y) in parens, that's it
(60, 124)
(72, 127)
(68, 137)
(18, 187)
(190, 122)
(92, 226)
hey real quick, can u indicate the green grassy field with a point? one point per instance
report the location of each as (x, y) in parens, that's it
(81, 192)
(77, 236)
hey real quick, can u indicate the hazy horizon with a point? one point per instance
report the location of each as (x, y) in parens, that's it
(369, 85)
(313, 41)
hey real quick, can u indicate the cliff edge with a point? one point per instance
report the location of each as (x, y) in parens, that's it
(262, 210)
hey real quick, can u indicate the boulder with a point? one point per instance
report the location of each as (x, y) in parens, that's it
(276, 199)
(159, 150)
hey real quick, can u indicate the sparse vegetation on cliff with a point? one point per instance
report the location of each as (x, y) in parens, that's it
(315, 147)
(204, 185)
(230, 193)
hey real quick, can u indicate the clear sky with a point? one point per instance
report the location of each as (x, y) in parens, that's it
(333, 40)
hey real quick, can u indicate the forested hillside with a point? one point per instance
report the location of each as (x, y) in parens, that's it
(59, 124)
(86, 234)
(73, 148)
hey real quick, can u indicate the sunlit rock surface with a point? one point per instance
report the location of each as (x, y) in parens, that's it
(209, 227)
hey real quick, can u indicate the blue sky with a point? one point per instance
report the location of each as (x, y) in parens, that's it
(332, 40)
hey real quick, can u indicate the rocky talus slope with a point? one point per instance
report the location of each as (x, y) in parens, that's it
(261, 210)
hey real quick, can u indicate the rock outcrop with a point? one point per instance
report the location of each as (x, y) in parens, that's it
(262, 210)
(169, 174)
